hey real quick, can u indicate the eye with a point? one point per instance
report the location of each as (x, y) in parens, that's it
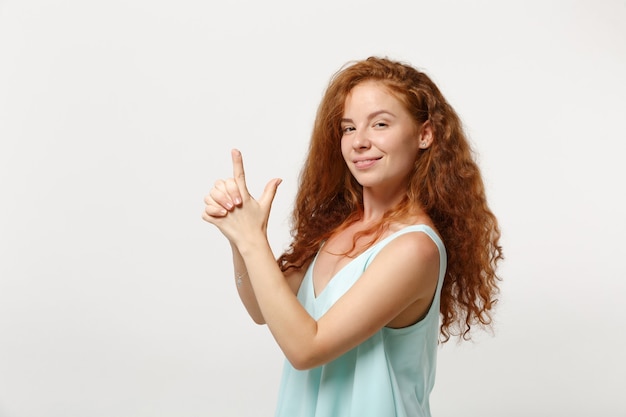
(380, 124)
(347, 129)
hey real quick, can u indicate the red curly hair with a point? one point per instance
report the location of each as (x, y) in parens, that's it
(446, 183)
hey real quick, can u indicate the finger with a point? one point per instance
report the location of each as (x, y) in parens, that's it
(218, 197)
(269, 192)
(238, 172)
(214, 208)
(232, 188)
(212, 212)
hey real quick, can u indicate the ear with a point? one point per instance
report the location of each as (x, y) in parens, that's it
(426, 135)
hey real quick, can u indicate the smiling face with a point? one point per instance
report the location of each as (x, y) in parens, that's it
(380, 140)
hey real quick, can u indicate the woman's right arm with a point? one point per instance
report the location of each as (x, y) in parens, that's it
(222, 199)
(244, 288)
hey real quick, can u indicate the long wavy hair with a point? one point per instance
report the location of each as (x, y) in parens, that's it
(446, 183)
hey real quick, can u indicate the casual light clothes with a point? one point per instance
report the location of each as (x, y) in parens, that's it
(391, 374)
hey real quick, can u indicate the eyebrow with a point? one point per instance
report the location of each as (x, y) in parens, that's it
(370, 116)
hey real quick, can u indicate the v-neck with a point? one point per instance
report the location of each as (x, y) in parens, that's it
(332, 278)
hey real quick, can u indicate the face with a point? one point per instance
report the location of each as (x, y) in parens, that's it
(380, 139)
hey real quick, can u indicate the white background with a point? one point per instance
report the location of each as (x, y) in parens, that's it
(117, 116)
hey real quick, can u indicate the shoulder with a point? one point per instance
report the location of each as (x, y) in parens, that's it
(410, 258)
(412, 246)
(404, 270)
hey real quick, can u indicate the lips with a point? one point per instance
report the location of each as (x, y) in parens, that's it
(363, 163)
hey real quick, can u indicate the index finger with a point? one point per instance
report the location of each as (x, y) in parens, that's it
(238, 172)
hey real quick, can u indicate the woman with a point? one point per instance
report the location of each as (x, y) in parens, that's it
(355, 302)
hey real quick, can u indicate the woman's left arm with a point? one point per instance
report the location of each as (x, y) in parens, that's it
(403, 275)
(408, 265)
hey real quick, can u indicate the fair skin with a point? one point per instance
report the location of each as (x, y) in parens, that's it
(379, 143)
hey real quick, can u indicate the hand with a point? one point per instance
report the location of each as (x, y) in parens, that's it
(231, 208)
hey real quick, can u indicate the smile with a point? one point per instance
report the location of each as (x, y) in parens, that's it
(365, 163)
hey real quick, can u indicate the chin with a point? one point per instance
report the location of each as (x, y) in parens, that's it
(369, 183)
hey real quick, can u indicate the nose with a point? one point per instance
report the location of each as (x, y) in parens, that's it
(361, 140)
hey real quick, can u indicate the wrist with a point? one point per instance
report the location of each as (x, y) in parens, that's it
(239, 277)
(251, 244)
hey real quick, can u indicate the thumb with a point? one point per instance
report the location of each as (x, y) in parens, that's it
(269, 192)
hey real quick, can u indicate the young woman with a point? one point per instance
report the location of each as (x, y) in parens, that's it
(367, 288)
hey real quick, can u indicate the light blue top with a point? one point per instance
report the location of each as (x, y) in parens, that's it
(391, 374)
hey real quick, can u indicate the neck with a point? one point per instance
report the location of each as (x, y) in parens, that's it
(377, 202)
